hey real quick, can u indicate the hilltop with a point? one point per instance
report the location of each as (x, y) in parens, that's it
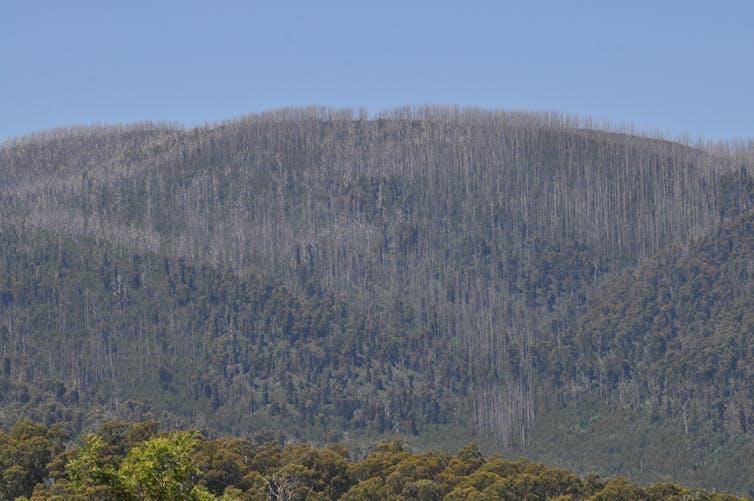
(573, 293)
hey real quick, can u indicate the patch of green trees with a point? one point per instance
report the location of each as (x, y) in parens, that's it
(136, 461)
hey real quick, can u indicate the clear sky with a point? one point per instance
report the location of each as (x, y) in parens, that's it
(672, 66)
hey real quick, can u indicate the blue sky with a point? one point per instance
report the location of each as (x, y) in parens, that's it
(673, 66)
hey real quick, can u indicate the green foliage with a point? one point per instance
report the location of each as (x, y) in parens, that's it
(88, 468)
(246, 352)
(161, 468)
(24, 455)
(663, 353)
(183, 465)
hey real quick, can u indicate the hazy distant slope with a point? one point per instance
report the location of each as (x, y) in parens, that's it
(470, 238)
(447, 211)
(512, 174)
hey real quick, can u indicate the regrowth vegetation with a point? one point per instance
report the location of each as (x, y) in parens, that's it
(309, 273)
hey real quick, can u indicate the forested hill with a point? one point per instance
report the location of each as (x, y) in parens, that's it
(665, 352)
(312, 273)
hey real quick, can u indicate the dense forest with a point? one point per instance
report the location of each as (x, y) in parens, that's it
(574, 292)
(129, 461)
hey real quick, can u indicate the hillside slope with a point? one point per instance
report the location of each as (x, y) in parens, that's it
(429, 268)
(665, 353)
(90, 333)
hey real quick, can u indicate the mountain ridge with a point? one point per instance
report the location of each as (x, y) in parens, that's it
(474, 238)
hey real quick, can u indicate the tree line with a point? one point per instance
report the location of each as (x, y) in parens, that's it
(125, 461)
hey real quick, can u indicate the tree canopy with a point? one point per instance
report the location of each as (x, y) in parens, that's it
(159, 465)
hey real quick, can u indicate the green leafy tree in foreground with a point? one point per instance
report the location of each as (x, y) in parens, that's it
(159, 468)
(24, 455)
(162, 469)
(89, 472)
